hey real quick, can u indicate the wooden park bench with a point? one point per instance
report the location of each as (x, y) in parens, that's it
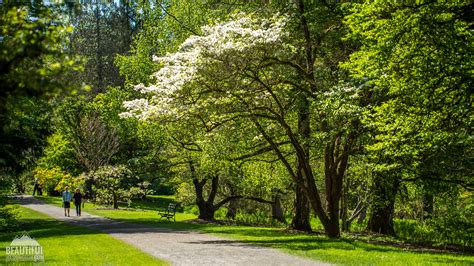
(169, 213)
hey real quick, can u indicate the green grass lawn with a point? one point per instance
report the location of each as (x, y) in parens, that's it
(345, 251)
(133, 214)
(65, 244)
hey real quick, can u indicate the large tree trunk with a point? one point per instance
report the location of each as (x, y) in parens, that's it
(206, 211)
(277, 210)
(115, 199)
(381, 215)
(333, 193)
(345, 208)
(301, 218)
(206, 207)
(336, 158)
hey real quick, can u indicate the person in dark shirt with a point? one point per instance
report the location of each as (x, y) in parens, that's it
(77, 201)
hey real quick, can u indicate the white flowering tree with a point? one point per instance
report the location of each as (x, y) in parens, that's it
(252, 69)
(170, 102)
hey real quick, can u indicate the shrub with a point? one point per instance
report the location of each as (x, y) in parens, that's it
(185, 193)
(72, 182)
(447, 230)
(259, 217)
(112, 184)
(54, 180)
(8, 215)
(59, 153)
(49, 179)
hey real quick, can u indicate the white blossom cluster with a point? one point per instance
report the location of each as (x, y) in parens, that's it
(243, 33)
(238, 35)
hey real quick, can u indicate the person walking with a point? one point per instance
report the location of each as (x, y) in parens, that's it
(36, 186)
(77, 201)
(67, 196)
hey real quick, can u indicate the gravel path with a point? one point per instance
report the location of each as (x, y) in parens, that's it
(177, 247)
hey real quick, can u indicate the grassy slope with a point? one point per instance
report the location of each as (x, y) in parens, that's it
(318, 247)
(73, 245)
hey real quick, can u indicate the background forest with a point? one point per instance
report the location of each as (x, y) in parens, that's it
(305, 114)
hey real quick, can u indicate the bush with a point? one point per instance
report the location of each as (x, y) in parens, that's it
(185, 193)
(72, 182)
(454, 228)
(54, 180)
(142, 190)
(448, 230)
(48, 179)
(257, 218)
(112, 184)
(8, 215)
(6, 181)
(192, 209)
(59, 153)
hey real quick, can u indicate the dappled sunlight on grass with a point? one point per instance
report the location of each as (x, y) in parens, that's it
(341, 251)
(74, 245)
(347, 250)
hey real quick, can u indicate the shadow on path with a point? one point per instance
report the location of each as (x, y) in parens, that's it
(176, 245)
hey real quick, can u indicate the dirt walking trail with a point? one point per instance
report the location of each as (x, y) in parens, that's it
(178, 247)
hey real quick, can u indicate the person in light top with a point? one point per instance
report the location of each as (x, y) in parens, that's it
(67, 196)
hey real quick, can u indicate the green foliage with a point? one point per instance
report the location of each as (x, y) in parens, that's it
(58, 153)
(8, 215)
(25, 123)
(450, 222)
(54, 180)
(102, 30)
(108, 183)
(442, 231)
(407, 105)
(419, 83)
(49, 179)
(453, 219)
(164, 25)
(8, 218)
(72, 182)
(415, 63)
(185, 193)
(34, 68)
(32, 57)
(109, 105)
(258, 217)
(115, 183)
